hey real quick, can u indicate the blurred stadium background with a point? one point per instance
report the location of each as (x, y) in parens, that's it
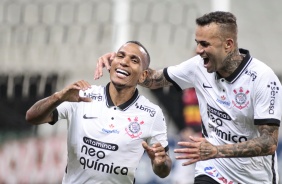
(47, 44)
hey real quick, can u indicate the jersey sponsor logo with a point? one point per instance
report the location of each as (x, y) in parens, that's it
(218, 113)
(134, 127)
(204, 86)
(218, 117)
(252, 74)
(112, 131)
(88, 117)
(95, 160)
(211, 171)
(223, 101)
(93, 96)
(99, 144)
(241, 98)
(273, 91)
(150, 110)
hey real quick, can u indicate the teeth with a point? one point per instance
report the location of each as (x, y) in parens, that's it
(122, 72)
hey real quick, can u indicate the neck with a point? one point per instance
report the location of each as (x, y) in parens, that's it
(120, 94)
(231, 63)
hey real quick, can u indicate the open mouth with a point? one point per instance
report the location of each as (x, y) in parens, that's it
(206, 61)
(122, 72)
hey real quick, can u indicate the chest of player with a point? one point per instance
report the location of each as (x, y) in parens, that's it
(125, 128)
(233, 96)
(228, 109)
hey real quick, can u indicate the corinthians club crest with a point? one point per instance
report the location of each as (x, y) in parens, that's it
(134, 127)
(241, 98)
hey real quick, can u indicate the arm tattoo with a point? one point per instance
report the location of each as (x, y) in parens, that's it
(266, 144)
(155, 79)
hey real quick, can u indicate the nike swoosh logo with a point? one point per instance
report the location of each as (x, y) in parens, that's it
(206, 86)
(88, 117)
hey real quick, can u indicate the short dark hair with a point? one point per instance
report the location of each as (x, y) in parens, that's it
(148, 55)
(225, 20)
(219, 17)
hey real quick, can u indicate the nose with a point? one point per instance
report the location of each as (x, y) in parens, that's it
(199, 49)
(124, 61)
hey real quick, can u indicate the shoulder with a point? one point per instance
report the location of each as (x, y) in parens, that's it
(262, 75)
(261, 69)
(145, 104)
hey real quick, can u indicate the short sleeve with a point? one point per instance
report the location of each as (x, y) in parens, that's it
(267, 101)
(183, 75)
(63, 111)
(159, 130)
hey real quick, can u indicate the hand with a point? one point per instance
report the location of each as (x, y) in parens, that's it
(71, 92)
(196, 150)
(156, 153)
(103, 61)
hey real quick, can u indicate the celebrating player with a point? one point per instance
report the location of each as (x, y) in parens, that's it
(109, 127)
(240, 103)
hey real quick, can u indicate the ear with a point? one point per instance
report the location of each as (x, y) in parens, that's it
(143, 76)
(229, 44)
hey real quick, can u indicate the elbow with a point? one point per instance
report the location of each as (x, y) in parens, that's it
(29, 118)
(163, 175)
(273, 145)
(164, 170)
(272, 149)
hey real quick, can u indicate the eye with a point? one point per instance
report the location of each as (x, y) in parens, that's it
(119, 55)
(204, 44)
(134, 59)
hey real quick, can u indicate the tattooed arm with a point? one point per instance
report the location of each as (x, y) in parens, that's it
(266, 144)
(155, 79)
(200, 149)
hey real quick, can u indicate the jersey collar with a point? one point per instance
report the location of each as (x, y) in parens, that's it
(123, 106)
(243, 65)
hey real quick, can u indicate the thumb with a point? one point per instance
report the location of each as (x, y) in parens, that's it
(145, 145)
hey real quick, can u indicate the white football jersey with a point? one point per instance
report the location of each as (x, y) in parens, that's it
(105, 141)
(231, 108)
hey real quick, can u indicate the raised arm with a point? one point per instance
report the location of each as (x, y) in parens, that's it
(103, 61)
(155, 79)
(42, 111)
(201, 149)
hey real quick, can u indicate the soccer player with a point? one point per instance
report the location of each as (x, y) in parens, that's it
(109, 127)
(240, 104)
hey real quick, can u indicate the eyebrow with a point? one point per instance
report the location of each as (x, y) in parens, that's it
(131, 56)
(202, 42)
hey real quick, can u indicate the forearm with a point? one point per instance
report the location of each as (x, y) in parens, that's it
(162, 170)
(41, 111)
(155, 79)
(266, 144)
